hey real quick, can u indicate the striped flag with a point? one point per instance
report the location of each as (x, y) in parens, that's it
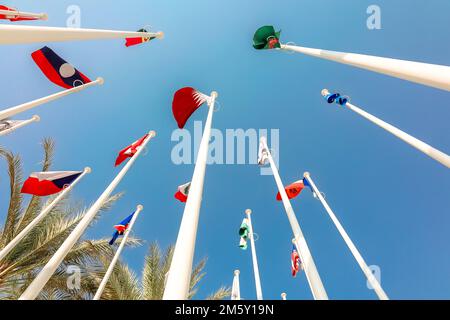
(48, 183)
(296, 263)
(137, 40)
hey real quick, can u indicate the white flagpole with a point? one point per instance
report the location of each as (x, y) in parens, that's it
(108, 273)
(283, 296)
(433, 75)
(362, 264)
(42, 278)
(312, 275)
(11, 245)
(15, 34)
(7, 113)
(35, 118)
(178, 280)
(16, 13)
(236, 290)
(416, 143)
(259, 295)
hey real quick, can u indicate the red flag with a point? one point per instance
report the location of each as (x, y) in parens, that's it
(138, 40)
(185, 102)
(292, 190)
(130, 151)
(183, 192)
(14, 17)
(296, 263)
(48, 183)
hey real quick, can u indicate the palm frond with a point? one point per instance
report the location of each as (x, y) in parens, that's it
(221, 294)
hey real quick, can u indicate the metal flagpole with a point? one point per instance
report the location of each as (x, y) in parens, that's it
(15, 34)
(179, 277)
(11, 245)
(370, 277)
(312, 275)
(42, 278)
(259, 295)
(433, 75)
(416, 143)
(236, 290)
(7, 113)
(108, 273)
(35, 118)
(15, 14)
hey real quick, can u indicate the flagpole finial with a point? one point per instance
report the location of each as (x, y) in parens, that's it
(248, 211)
(100, 80)
(236, 272)
(283, 296)
(293, 240)
(214, 94)
(140, 207)
(325, 92)
(44, 16)
(36, 118)
(306, 174)
(88, 170)
(152, 133)
(160, 35)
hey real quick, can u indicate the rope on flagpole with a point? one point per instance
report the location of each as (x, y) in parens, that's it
(362, 264)
(14, 242)
(259, 294)
(414, 142)
(7, 113)
(16, 34)
(35, 118)
(49, 269)
(108, 273)
(179, 276)
(312, 275)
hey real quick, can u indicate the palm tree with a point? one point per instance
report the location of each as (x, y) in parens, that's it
(125, 285)
(20, 267)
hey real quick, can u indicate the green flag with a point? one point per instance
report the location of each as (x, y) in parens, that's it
(266, 38)
(244, 231)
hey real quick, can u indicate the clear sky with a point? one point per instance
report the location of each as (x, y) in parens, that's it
(393, 200)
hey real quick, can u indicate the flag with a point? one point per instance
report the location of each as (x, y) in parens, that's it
(121, 228)
(14, 17)
(183, 192)
(244, 232)
(292, 190)
(135, 41)
(185, 102)
(130, 151)
(262, 154)
(266, 38)
(9, 124)
(296, 263)
(48, 183)
(57, 70)
(307, 184)
(336, 97)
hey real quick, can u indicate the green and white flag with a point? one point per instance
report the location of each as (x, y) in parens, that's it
(244, 232)
(266, 38)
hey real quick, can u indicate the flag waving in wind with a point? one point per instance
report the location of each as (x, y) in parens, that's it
(183, 192)
(244, 232)
(130, 151)
(121, 228)
(57, 70)
(296, 263)
(135, 41)
(266, 38)
(293, 190)
(185, 102)
(48, 183)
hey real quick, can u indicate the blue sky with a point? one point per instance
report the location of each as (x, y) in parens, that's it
(392, 200)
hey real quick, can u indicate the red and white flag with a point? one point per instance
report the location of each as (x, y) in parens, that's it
(183, 192)
(48, 183)
(185, 102)
(130, 151)
(296, 263)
